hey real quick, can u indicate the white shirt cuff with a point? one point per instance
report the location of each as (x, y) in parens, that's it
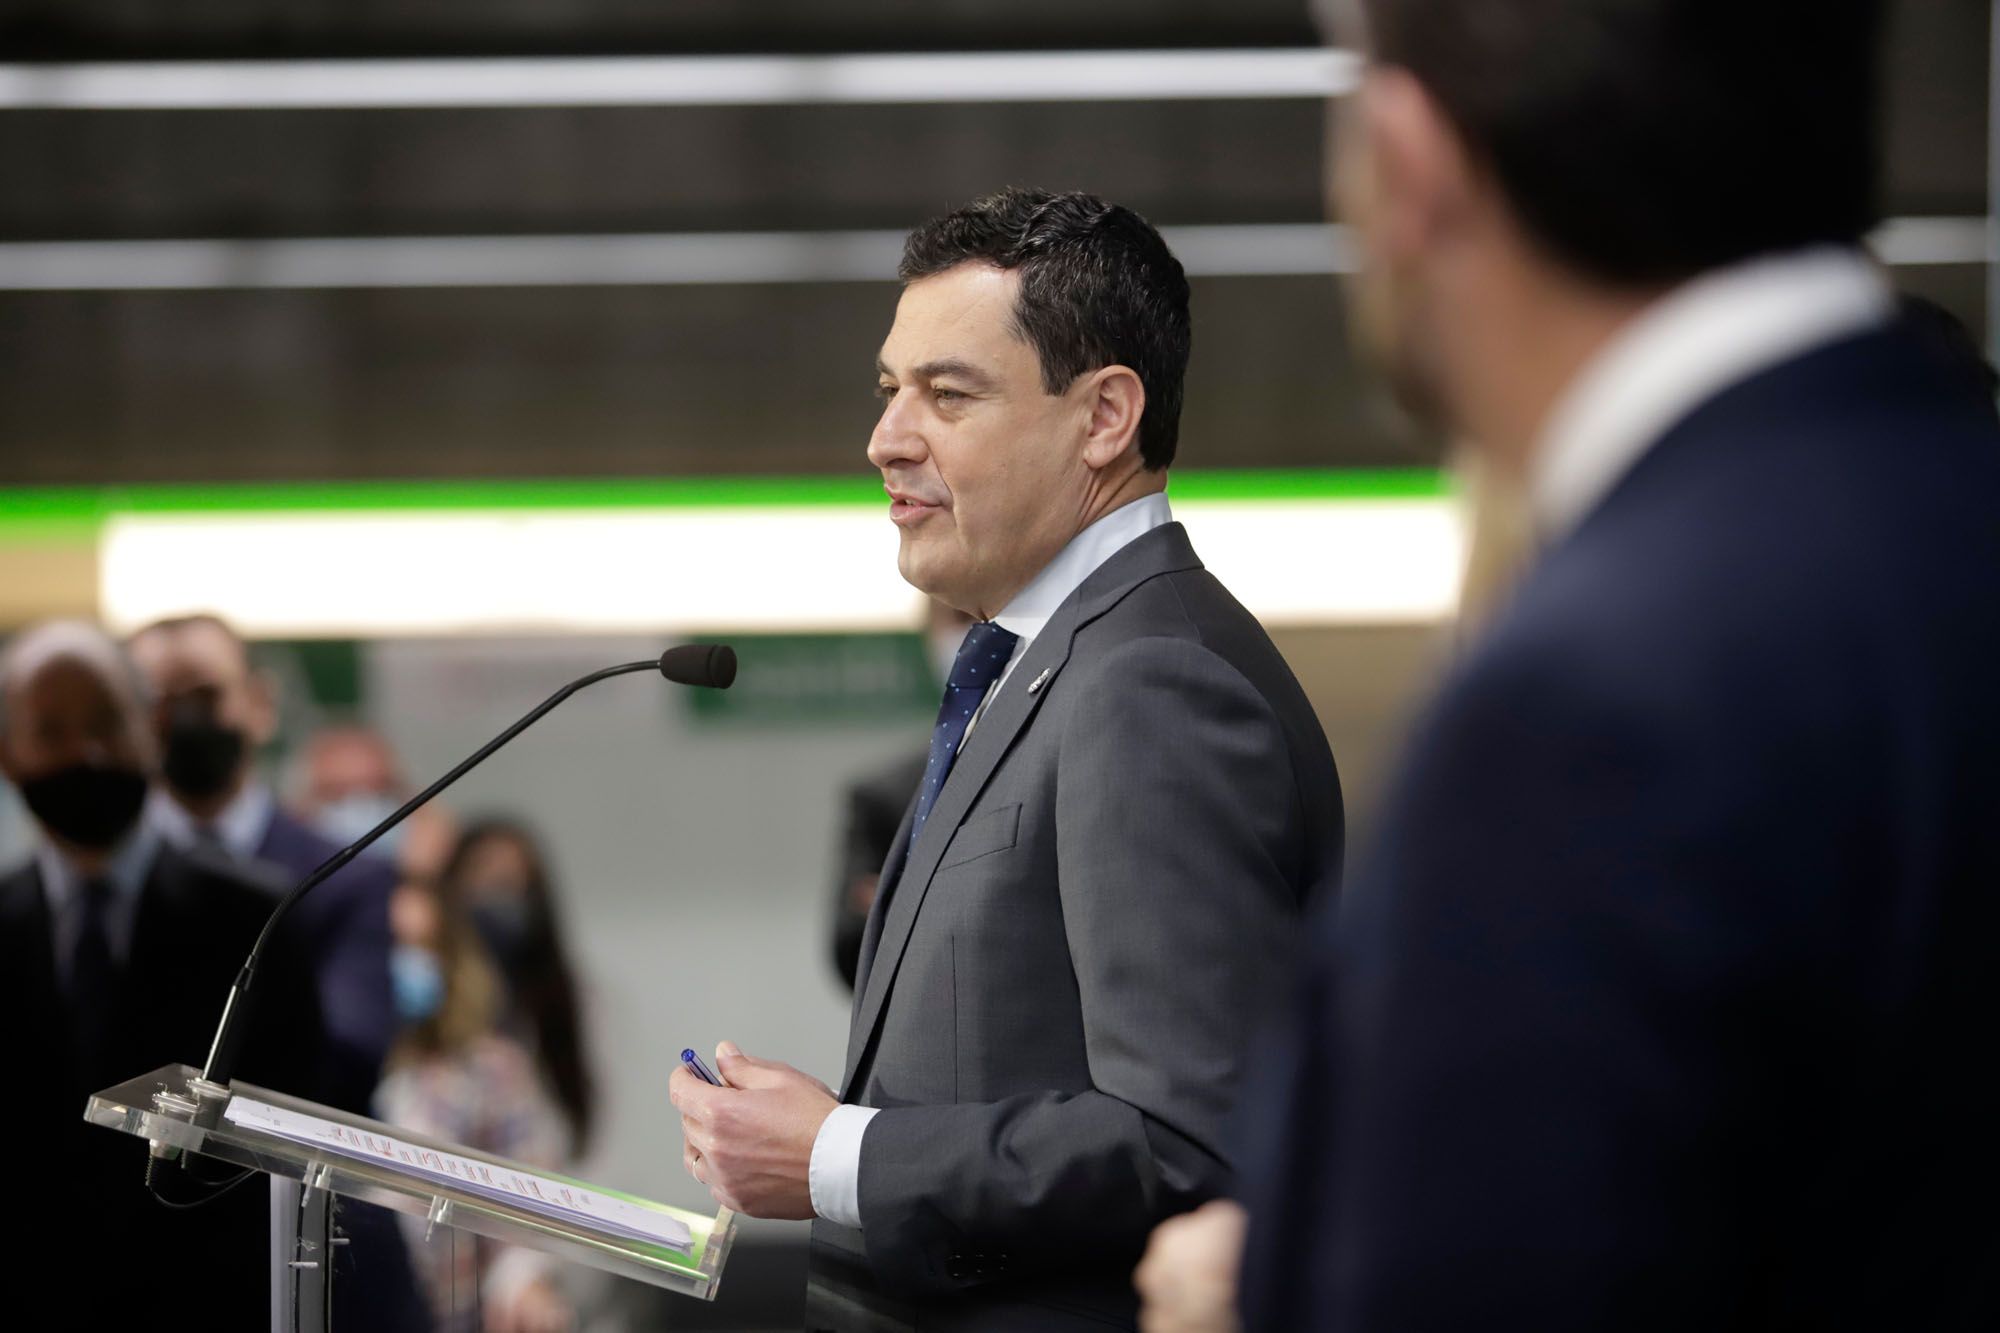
(834, 1175)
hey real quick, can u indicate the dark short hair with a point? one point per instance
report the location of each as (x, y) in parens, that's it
(1098, 288)
(1642, 141)
(181, 624)
(1946, 335)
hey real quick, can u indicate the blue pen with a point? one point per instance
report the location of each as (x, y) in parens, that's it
(698, 1069)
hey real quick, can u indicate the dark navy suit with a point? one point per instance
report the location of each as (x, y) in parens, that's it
(1669, 997)
(90, 1249)
(345, 923)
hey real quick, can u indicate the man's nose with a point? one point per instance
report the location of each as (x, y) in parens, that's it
(73, 749)
(897, 438)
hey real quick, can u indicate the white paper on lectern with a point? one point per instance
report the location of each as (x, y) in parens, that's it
(551, 1198)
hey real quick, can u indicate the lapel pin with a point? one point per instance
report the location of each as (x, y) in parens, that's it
(1041, 680)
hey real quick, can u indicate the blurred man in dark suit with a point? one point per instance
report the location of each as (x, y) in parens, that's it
(116, 953)
(1663, 999)
(873, 807)
(212, 711)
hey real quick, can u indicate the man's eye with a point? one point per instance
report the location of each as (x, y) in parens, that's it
(945, 395)
(885, 391)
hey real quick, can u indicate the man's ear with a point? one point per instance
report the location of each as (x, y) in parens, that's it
(1116, 400)
(1419, 178)
(263, 707)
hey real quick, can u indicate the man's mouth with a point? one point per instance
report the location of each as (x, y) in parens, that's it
(906, 510)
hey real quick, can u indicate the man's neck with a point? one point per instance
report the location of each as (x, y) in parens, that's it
(207, 810)
(87, 863)
(1513, 380)
(1098, 503)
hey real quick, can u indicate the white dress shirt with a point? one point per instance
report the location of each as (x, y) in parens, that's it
(1708, 335)
(240, 827)
(834, 1175)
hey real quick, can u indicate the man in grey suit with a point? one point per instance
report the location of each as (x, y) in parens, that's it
(1127, 802)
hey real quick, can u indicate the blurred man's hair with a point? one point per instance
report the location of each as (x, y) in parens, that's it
(37, 646)
(1098, 288)
(1644, 141)
(1945, 334)
(192, 620)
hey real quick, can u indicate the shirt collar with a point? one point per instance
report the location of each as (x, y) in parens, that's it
(1030, 609)
(125, 872)
(1711, 333)
(240, 826)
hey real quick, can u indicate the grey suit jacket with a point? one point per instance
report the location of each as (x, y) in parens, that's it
(1058, 977)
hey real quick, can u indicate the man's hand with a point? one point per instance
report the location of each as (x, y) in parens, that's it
(536, 1308)
(751, 1142)
(1187, 1281)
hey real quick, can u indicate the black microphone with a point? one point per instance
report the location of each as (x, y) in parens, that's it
(709, 665)
(712, 665)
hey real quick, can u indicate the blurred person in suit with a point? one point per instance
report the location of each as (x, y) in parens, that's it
(874, 805)
(117, 950)
(350, 780)
(456, 1075)
(212, 712)
(1127, 803)
(499, 874)
(1657, 1003)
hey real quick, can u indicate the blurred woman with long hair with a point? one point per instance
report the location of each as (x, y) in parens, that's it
(455, 1075)
(498, 874)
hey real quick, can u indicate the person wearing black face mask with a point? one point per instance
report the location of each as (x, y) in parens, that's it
(115, 949)
(212, 713)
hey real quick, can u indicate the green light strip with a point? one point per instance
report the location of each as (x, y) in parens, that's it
(75, 513)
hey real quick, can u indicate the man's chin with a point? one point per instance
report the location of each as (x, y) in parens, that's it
(912, 564)
(1416, 393)
(922, 572)
(1394, 360)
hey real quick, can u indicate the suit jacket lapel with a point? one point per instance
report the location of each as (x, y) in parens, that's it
(1164, 550)
(885, 887)
(156, 964)
(988, 744)
(28, 973)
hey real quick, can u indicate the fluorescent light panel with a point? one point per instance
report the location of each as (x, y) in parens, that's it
(1026, 76)
(1918, 241)
(683, 570)
(704, 258)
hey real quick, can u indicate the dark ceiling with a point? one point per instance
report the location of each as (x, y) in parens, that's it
(125, 386)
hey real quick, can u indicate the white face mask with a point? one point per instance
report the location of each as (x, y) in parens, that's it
(352, 815)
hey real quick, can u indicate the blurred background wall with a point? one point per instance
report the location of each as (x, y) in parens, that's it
(239, 286)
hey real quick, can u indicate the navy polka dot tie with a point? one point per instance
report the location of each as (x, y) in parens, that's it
(981, 658)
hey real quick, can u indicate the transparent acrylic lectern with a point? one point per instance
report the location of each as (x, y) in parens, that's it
(313, 1153)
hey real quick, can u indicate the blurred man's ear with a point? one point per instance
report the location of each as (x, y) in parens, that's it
(1414, 181)
(264, 695)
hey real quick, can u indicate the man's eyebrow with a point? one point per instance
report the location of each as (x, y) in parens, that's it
(956, 369)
